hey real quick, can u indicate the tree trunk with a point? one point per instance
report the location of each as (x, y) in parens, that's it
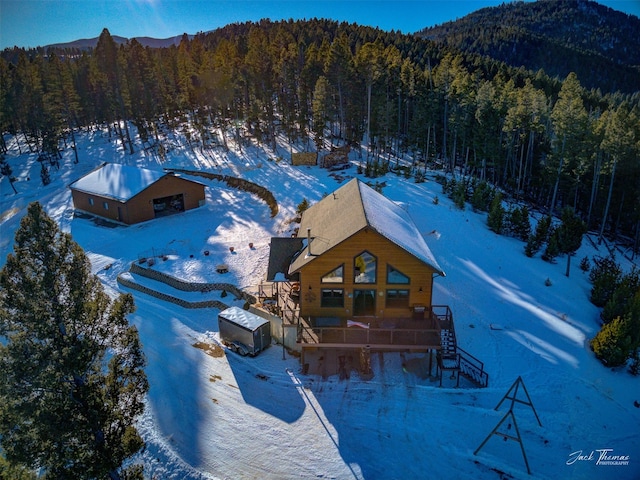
(341, 111)
(636, 241)
(452, 164)
(552, 207)
(74, 146)
(426, 155)
(606, 208)
(369, 86)
(594, 187)
(555, 187)
(520, 168)
(568, 264)
(118, 129)
(445, 129)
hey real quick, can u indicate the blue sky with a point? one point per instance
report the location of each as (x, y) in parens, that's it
(31, 23)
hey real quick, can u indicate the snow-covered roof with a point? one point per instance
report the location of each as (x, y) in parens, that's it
(248, 320)
(120, 182)
(351, 208)
(391, 221)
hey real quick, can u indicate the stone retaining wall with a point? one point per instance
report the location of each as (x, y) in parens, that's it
(169, 298)
(190, 286)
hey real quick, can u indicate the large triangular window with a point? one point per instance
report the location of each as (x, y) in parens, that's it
(396, 277)
(334, 276)
(364, 268)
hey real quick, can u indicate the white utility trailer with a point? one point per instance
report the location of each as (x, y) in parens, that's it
(244, 332)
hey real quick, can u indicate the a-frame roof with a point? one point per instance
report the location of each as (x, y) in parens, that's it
(351, 208)
(119, 182)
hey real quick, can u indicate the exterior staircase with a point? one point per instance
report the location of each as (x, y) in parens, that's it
(458, 362)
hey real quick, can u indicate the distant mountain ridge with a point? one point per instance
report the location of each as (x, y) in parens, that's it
(600, 44)
(88, 43)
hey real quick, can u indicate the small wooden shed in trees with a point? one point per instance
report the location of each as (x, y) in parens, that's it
(129, 195)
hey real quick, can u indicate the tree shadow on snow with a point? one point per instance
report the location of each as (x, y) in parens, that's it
(273, 394)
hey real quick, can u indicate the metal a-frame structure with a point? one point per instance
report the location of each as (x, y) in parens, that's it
(512, 394)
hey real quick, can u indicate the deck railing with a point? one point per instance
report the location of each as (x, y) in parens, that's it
(371, 336)
(443, 314)
(473, 368)
(424, 333)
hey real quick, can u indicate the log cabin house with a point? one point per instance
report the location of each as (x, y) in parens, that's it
(128, 195)
(358, 279)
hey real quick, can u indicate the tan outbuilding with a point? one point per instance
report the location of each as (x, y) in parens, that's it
(128, 195)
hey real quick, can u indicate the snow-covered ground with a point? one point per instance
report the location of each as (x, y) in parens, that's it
(213, 414)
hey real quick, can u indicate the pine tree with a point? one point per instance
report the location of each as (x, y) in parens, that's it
(482, 197)
(320, 108)
(535, 242)
(605, 276)
(459, 195)
(612, 344)
(518, 223)
(368, 64)
(553, 247)
(7, 171)
(619, 339)
(620, 144)
(71, 367)
(44, 174)
(620, 301)
(570, 234)
(495, 220)
(570, 124)
(338, 67)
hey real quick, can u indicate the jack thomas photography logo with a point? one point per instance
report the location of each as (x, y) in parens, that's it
(603, 456)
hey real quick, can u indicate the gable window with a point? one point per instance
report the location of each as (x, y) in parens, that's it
(396, 277)
(364, 268)
(332, 297)
(397, 298)
(334, 276)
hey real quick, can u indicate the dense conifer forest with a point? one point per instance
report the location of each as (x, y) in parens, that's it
(412, 102)
(599, 44)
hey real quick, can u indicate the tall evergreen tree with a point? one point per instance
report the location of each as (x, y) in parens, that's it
(570, 124)
(71, 367)
(320, 102)
(495, 219)
(368, 63)
(338, 68)
(620, 144)
(570, 233)
(617, 340)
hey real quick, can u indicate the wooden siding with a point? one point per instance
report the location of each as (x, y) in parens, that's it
(387, 253)
(140, 207)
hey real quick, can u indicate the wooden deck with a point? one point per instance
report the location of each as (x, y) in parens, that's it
(381, 334)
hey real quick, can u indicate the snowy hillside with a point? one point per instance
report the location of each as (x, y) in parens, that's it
(213, 414)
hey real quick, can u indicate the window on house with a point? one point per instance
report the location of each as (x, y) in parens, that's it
(332, 297)
(397, 298)
(334, 276)
(105, 205)
(395, 276)
(90, 201)
(364, 268)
